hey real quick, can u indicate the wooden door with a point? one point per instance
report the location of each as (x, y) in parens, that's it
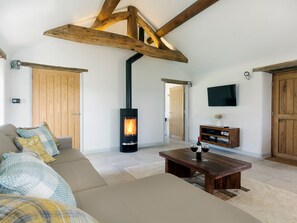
(284, 119)
(56, 100)
(176, 113)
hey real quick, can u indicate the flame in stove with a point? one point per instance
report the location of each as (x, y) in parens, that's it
(130, 126)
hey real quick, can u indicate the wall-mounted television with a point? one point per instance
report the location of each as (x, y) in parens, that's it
(222, 95)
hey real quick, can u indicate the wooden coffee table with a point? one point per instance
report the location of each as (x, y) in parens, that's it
(220, 172)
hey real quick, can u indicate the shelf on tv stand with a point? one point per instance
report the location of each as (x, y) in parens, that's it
(220, 136)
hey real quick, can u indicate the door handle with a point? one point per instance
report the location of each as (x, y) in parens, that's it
(76, 113)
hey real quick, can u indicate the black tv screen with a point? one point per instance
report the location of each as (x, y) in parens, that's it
(222, 95)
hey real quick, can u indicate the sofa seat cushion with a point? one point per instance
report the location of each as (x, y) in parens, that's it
(160, 198)
(79, 174)
(69, 155)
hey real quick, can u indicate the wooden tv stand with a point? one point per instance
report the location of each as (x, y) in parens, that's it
(220, 136)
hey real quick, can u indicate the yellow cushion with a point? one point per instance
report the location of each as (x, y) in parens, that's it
(27, 209)
(34, 144)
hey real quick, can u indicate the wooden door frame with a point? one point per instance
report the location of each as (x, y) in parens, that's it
(273, 97)
(186, 84)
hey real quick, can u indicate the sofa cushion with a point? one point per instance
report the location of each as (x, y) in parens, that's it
(9, 130)
(69, 155)
(79, 174)
(6, 145)
(45, 137)
(27, 209)
(56, 140)
(7, 133)
(23, 174)
(35, 145)
(160, 198)
(53, 136)
(65, 142)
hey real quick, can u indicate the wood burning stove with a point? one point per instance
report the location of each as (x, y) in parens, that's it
(129, 130)
(128, 118)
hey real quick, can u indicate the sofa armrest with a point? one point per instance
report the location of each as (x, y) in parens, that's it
(66, 142)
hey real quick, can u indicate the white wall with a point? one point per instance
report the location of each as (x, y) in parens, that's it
(18, 86)
(103, 90)
(149, 96)
(252, 113)
(266, 113)
(2, 91)
(167, 108)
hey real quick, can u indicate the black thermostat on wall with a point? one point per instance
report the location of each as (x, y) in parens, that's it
(16, 101)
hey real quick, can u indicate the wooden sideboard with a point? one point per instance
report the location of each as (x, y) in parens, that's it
(220, 136)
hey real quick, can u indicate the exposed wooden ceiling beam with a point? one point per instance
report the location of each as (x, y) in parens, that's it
(132, 29)
(97, 37)
(184, 16)
(114, 18)
(286, 66)
(172, 81)
(50, 67)
(107, 9)
(2, 54)
(119, 16)
(151, 33)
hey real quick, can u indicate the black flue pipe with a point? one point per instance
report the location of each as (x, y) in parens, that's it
(129, 72)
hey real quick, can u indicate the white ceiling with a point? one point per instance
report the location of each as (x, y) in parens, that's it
(229, 32)
(23, 22)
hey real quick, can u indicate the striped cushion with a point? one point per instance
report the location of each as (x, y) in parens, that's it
(22, 174)
(45, 137)
(17, 209)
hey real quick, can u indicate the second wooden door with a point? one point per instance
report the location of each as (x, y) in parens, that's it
(56, 100)
(284, 119)
(176, 112)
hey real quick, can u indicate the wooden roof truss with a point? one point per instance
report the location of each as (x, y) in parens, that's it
(95, 34)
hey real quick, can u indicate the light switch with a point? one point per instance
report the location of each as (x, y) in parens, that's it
(16, 101)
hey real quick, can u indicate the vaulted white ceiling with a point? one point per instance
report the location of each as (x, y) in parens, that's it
(23, 22)
(229, 32)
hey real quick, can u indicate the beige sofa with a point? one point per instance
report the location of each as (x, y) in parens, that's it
(158, 199)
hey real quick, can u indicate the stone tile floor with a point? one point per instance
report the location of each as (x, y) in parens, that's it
(111, 165)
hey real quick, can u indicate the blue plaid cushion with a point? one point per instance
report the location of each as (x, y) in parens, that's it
(23, 174)
(45, 137)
